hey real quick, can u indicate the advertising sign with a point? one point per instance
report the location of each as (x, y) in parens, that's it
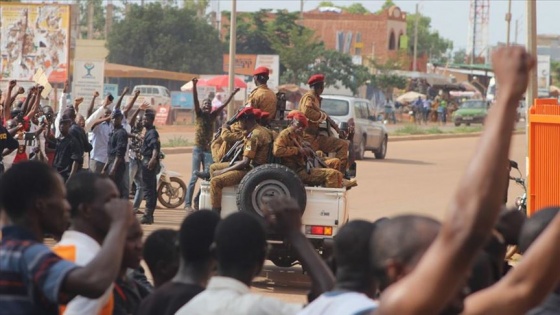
(162, 113)
(110, 88)
(246, 64)
(182, 100)
(32, 37)
(88, 78)
(543, 72)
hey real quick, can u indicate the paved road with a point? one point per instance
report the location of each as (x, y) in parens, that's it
(417, 177)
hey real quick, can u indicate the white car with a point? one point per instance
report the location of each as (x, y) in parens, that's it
(155, 95)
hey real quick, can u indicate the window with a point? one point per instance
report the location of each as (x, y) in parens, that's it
(358, 37)
(392, 41)
(358, 51)
(335, 107)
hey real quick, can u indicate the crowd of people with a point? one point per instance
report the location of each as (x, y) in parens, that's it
(118, 148)
(406, 264)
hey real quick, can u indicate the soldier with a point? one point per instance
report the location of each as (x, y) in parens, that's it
(255, 153)
(262, 97)
(150, 163)
(293, 156)
(310, 106)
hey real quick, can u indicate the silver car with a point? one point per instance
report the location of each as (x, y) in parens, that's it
(370, 134)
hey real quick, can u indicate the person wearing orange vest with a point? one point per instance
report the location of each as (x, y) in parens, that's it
(87, 194)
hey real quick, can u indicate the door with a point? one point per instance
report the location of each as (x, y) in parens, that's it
(375, 130)
(361, 121)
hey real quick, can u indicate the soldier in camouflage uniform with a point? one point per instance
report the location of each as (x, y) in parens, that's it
(255, 153)
(262, 97)
(294, 156)
(310, 106)
(228, 137)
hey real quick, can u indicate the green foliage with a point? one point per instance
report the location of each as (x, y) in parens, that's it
(459, 56)
(199, 6)
(326, 4)
(98, 18)
(338, 68)
(356, 8)
(177, 141)
(387, 4)
(165, 38)
(252, 37)
(429, 42)
(555, 72)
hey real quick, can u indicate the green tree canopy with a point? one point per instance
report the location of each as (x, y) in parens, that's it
(356, 8)
(460, 56)
(430, 43)
(199, 6)
(165, 38)
(252, 36)
(339, 69)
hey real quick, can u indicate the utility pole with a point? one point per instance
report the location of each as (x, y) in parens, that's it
(301, 9)
(90, 20)
(474, 34)
(508, 21)
(232, 42)
(414, 58)
(109, 18)
(516, 30)
(532, 90)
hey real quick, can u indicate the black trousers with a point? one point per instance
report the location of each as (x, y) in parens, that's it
(149, 178)
(118, 178)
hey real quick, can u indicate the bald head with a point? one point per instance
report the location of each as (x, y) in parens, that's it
(401, 240)
(535, 225)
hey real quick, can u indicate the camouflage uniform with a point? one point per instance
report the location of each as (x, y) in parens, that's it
(227, 138)
(264, 99)
(310, 106)
(285, 148)
(256, 148)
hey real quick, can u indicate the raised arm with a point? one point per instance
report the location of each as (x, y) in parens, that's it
(90, 121)
(36, 103)
(142, 107)
(92, 104)
(221, 108)
(7, 97)
(131, 102)
(119, 102)
(30, 99)
(61, 107)
(20, 91)
(195, 96)
(77, 103)
(526, 285)
(475, 205)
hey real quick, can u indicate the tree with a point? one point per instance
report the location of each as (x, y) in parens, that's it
(429, 42)
(555, 72)
(460, 56)
(324, 4)
(338, 68)
(98, 18)
(199, 6)
(165, 38)
(252, 35)
(356, 8)
(387, 5)
(385, 79)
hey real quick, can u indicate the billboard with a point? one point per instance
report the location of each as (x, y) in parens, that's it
(88, 78)
(543, 72)
(32, 37)
(246, 64)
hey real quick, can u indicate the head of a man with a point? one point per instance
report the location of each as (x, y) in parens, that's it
(351, 256)
(149, 117)
(317, 83)
(247, 118)
(87, 194)
(240, 247)
(80, 120)
(33, 195)
(65, 124)
(161, 255)
(299, 121)
(117, 118)
(398, 245)
(260, 75)
(132, 255)
(70, 112)
(206, 105)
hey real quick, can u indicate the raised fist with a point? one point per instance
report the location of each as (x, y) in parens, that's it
(21, 90)
(125, 90)
(195, 81)
(95, 94)
(137, 92)
(12, 84)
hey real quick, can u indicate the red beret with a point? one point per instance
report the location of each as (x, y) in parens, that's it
(257, 112)
(302, 119)
(245, 112)
(316, 78)
(265, 114)
(261, 70)
(292, 113)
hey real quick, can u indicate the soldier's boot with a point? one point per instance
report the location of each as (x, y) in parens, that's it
(202, 175)
(349, 183)
(148, 218)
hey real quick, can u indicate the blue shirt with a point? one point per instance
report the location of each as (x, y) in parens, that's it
(31, 275)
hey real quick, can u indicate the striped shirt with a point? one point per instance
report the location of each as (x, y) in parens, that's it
(31, 275)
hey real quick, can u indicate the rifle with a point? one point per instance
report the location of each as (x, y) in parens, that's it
(230, 122)
(232, 152)
(311, 160)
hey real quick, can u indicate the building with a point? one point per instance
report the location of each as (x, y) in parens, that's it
(549, 45)
(377, 36)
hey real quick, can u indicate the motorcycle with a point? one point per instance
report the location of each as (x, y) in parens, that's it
(171, 189)
(521, 201)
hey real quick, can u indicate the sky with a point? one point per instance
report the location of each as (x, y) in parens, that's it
(450, 17)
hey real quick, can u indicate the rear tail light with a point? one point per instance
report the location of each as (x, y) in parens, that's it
(318, 230)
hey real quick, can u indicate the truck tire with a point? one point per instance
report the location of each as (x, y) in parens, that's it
(267, 181)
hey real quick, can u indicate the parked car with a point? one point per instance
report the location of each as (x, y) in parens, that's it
(370, 133)
(471, 112)
(155, 95)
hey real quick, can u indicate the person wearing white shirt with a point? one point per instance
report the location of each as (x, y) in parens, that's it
(99, 124)
(87, 194)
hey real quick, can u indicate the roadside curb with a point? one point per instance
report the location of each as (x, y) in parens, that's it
(181, 150)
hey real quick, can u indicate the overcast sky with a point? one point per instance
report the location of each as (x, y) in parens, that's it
(449, 17)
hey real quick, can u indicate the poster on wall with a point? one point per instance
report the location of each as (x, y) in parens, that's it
(32, 37)
(88, 78)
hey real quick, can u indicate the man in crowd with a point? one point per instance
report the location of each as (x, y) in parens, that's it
(255, 153)
(310, 106)
(197, 263)
(118, 142)
(150, 165)
(201, 155)
(87, 195)
(69, 154)
(99, 125)
(7, 145)
(33, 279)
(135, 156)
(162, 255)
(288, 146)
(262, 97)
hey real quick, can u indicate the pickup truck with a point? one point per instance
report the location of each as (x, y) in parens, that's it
(155, 95)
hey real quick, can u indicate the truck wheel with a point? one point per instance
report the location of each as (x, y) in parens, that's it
(267, 181)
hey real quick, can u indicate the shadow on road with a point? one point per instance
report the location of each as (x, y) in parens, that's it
(398, 161)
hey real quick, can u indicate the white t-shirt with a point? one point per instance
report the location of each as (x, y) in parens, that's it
(83, 249)
(228, 296)
(340, 303)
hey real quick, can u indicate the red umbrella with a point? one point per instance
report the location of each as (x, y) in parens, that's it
(222, 81)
